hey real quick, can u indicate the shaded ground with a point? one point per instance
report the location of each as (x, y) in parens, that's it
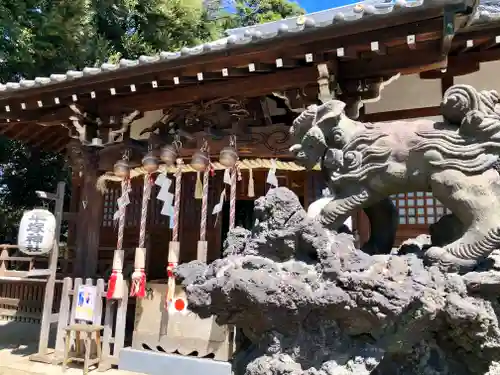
(18, 341)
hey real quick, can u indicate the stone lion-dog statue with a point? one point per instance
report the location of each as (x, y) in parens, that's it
(457, 159)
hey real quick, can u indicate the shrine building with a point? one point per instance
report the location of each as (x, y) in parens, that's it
(234, 97)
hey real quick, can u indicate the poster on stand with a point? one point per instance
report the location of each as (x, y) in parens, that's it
(85, 304)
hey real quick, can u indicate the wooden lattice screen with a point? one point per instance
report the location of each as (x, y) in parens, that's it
(419, 208)
(416, 211)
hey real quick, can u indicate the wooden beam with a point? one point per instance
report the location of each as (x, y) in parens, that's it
(250, 86)
(469, 44)
(258, 67)
(378, 48)
(480, 33)
(48, 136)
(254, 85)
(181, 78)
(491, 43)
(231, 72)
(454, 68)
(346, 53)
(428, 30)
(18, 135)
(411, 41)
(44, 115)
(475, 57)
(402, 114)
(60, 148)
(35, 134)
(446, 82)
(283, 62)
(379, 28)
(7, 127)
(54, 143)
(408, 63)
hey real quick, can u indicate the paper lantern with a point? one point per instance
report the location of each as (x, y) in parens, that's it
(37, 232)
(150, 163)
(169, 154)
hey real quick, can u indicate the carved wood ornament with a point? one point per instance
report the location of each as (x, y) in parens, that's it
(215, 121)
(91, 129)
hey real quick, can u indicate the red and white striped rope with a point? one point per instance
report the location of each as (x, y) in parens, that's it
(232, 199)
(177, 200)
(146, 194)
(204, 207)
(122, 210)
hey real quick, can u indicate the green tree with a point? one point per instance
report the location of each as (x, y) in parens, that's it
(41, 37)
(240, 13)
(45, 37)
(23, 171)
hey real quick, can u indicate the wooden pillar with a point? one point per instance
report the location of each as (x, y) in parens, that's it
(447, 81)
(362, 226)
(88, 213)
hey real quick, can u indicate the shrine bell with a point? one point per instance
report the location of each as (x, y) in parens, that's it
(200, 161)
(168, 155)
(121, 169)
(150, 163)
(228, 156)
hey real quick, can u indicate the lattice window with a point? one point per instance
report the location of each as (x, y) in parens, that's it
(134, 208)
(110, 206)
(156, 207)
(418, 208)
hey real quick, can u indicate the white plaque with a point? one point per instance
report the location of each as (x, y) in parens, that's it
(37, 232)
(85, 304)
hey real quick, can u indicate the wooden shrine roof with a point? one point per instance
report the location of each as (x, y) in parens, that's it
(368, 39)
(329, 20)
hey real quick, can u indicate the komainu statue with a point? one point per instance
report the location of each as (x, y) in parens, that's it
(457, 159)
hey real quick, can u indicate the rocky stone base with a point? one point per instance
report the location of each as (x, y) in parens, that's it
(309, 303)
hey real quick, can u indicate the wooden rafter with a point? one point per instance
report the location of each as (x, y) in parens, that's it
(253, 86)
(289, 53)
(408, 63)
(402, 114)
(403, 47)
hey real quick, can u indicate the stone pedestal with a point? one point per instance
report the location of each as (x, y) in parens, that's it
(154, 363)
(158, 330)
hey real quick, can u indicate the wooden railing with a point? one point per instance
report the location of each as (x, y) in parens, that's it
(21, 291)
(15, 266)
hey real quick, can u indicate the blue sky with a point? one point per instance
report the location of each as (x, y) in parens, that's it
(316, 5)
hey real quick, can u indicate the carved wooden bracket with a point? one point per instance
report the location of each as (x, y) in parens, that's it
(90, 129)
(354, 92)
(81, 158)
(190, 118)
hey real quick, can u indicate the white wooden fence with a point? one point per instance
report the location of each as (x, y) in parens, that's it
(110, 313)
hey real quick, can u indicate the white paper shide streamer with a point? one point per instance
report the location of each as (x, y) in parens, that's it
(271, 175)
(227, 181)
(164, 195)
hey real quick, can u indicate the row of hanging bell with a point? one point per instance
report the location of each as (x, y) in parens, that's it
(169, 154)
